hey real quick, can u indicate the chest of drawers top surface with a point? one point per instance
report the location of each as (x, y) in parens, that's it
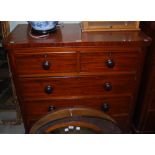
(71, 35)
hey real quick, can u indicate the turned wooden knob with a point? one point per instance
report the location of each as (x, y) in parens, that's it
(105, 107)
(110, 63)
(48, 89)
(107, 86)
(51, 108)
(46, 65)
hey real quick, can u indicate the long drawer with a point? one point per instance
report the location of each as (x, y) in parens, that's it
(44, 63)
(113, 106)
(59, 87)
(109, 61)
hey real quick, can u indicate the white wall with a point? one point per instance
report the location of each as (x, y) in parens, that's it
(13, 24)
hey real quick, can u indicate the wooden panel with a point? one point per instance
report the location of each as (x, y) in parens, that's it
(151, 93)
(117, 105)
(144, 118)
(123, 123)
(109, 25)
(5, 28)
(33, 63)
(29, 122)
(152, 101)
(126, 61)
(34, 88)
(150, 122)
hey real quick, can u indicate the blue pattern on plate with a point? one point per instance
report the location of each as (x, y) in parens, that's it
(43, 25)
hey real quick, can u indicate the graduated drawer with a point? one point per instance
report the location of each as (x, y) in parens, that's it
(109, 61)
(44, 63)
(40, 88)
(113, 106)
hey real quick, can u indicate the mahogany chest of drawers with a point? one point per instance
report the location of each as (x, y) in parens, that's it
(101, 70)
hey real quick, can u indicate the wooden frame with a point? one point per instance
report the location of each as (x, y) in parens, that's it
(5, 28)
(87, 26)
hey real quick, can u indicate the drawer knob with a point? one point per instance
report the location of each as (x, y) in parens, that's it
(105, 107)
(48, 89)
(46, 65)
(110, 63)
(51, 108)
(107, 86)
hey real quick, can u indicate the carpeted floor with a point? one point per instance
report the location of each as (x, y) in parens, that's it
(10, 127)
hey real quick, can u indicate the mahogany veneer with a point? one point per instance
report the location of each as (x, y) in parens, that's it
(69, 68)
(144, 121)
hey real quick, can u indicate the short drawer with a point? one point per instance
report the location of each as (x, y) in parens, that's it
(109, 61)
(44, 63)
(59, 87)
(113, 106)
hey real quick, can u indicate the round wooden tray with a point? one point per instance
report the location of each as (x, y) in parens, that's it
(75, 120)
